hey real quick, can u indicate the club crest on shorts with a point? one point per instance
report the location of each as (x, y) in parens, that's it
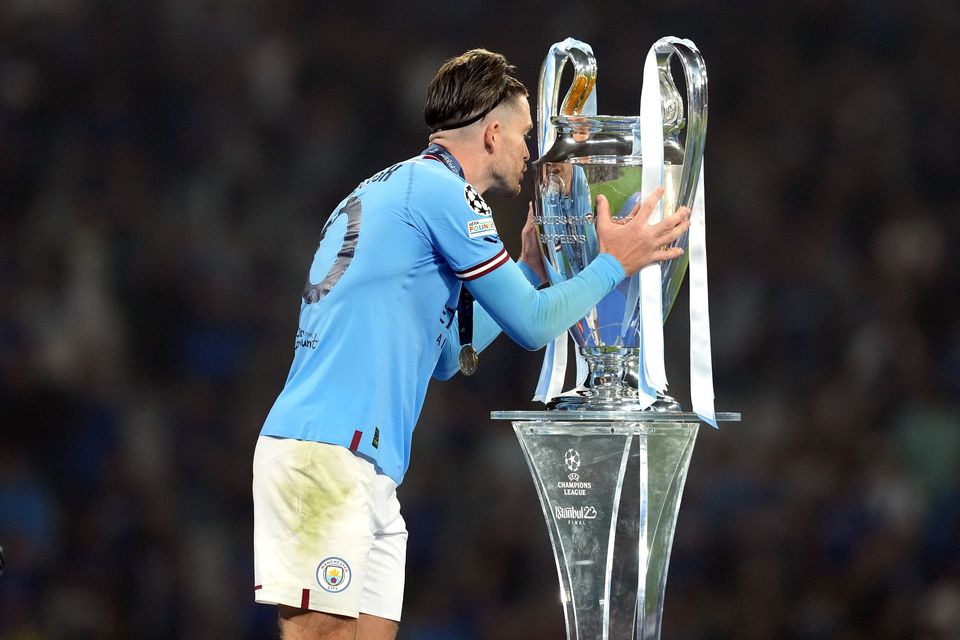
(333, 575)
(473, 198)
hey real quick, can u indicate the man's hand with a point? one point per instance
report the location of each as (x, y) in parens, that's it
(530, 247)
(636, 243)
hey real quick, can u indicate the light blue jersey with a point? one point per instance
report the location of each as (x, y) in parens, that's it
(377, 317)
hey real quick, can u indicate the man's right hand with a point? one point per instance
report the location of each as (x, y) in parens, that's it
(636, 243)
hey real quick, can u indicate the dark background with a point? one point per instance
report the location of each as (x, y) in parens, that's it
(165, 169)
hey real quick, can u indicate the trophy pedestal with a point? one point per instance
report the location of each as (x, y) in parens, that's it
(609, 484)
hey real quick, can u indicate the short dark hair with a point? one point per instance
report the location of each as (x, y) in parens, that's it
(468, 87)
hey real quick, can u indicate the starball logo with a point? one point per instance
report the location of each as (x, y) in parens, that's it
(574, 487)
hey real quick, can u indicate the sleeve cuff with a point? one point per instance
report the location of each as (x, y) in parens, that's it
(610, 266)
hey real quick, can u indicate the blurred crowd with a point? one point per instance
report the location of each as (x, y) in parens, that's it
(166, 167)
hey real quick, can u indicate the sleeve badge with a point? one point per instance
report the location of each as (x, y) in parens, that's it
(475, 201)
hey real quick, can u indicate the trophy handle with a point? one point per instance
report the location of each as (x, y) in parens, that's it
(695, 74)
(580, 98)
(695, 123)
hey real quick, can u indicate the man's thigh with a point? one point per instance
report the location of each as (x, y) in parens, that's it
(376, 627)
(301, 624)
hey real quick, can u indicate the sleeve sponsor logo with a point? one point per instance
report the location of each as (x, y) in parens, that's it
(475, 201)
(480, 228)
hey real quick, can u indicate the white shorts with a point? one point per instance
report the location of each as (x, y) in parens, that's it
(328, 534)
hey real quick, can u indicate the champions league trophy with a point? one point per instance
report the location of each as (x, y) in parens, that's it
(609, 460)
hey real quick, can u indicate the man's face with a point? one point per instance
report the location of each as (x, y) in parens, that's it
(512, 153)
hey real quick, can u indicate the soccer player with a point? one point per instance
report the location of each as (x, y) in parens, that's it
(379, 318)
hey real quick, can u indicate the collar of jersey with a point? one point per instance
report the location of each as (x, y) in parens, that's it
(436, 152)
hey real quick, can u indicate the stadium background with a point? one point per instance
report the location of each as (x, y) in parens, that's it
(166, 166)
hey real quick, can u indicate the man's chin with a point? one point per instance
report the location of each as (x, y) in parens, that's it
(507, 192)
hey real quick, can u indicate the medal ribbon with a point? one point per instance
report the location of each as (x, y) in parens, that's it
(436, 152)
(465, 316)
(465, 302)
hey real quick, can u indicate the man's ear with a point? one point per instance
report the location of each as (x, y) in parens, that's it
(491, 136)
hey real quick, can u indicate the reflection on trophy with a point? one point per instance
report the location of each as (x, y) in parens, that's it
(609, 461)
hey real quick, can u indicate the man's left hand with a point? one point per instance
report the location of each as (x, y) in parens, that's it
(530, 247)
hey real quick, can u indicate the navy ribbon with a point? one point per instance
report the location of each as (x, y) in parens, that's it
(436, 152)
(465, 303)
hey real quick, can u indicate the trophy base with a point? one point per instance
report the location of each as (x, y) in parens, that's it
(611, 384)
(583, 400)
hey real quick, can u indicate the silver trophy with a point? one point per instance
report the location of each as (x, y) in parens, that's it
(589, 155)
(610, 472)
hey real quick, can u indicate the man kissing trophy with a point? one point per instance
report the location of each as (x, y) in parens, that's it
(609, 459)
